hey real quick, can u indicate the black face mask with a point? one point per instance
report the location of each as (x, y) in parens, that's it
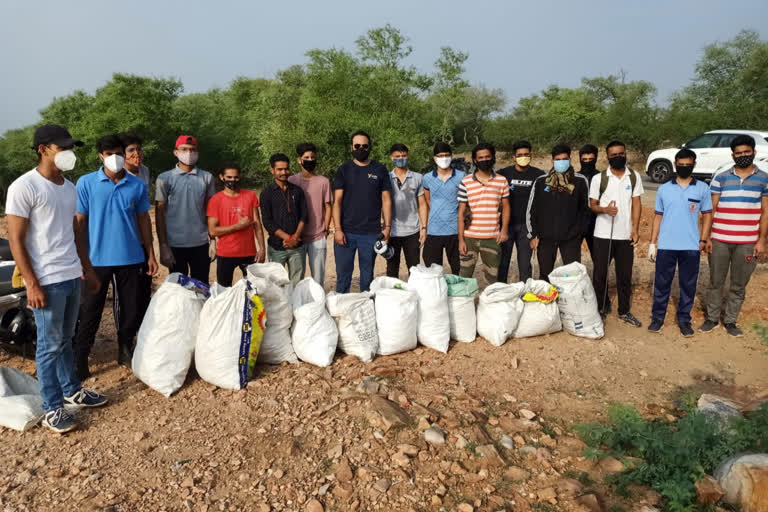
(485, 165)
(361, 154)
(309, 165)
(232, 184)
(684, 171)
(588, 166)
(742, 162)
(618, 162)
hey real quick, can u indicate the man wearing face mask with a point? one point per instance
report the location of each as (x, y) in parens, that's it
(677, 242)
(361, 198)
(113, 215)
(181, 198)
(557, 213)
(441, 193)
(520, 177)
(588, 162)
(739, 233)
(53, 259)
(233, 219)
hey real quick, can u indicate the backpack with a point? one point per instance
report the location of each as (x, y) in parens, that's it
(604, 181)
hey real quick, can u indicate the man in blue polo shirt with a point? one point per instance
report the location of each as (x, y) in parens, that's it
(118, 235)
(441, 191)
(676, 228)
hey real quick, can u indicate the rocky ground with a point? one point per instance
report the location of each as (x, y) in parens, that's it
(479, 428)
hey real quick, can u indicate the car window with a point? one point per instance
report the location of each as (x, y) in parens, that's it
(703, 141)
(725, 140)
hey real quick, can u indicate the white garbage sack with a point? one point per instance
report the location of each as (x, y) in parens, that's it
(434, 329)
(314, 333)
(355, 317)
(540, 314)
(461, 307)
(397, 315)
(576, 301)
(167, 335)
(21, 406)
(231, 330)
(270, 282)
(499, 308)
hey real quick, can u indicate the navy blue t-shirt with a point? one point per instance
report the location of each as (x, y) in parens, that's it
(361, 204)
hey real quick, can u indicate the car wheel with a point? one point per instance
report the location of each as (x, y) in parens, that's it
(659, 171)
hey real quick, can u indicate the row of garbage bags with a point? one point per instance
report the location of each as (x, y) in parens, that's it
(262, 318)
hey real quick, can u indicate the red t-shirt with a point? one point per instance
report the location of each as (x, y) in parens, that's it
(229, 210)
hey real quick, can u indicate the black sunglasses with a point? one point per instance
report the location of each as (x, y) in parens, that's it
(361, 146)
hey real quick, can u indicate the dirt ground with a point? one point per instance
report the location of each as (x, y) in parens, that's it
(306, 438)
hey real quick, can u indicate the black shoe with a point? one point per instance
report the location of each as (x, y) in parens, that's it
(685, 329)
(655, 326)
(631, 320)
(708, 326)
(124, 356)
(733, 330)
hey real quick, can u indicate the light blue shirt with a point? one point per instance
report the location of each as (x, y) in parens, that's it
(680, 208)
(443, 203)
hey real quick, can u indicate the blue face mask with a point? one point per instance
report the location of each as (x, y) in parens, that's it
(400, 163)
(562, 165)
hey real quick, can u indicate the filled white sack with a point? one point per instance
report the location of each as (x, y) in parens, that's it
(270, 282)
(499, 308)
(434, 329)
(314, 334)
(539, 316)
(397, 314)
(21, 406)
(577, 301)
(355, 317)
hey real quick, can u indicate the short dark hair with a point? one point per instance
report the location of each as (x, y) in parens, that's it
(588, 149)
(229, 165)
(742, 140)
(441, 147)
(363, 133)
(614, 143)
(685, 153)
(484, 145)
(129, 138)
(521, 144)
(304, 147)
(278, 157)
(398, 147)
(108, 142)
(558, 149)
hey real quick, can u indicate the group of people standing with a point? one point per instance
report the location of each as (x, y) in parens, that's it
(99, 232)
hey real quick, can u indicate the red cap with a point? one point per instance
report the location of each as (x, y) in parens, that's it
(185, 139)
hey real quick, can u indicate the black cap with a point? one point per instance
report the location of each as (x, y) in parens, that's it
(54, 134)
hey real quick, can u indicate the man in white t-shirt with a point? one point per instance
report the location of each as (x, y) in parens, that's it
(614, 195)
(40, 209)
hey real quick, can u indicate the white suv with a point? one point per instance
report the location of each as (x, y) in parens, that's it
(713, 151)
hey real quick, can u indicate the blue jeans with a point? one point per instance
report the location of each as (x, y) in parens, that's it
(687, 263)
(55, 328)
(345, 261)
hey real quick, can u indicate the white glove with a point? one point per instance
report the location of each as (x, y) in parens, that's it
(652, 253)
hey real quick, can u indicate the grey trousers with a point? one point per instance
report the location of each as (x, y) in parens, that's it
(739, 260)
(291, 258)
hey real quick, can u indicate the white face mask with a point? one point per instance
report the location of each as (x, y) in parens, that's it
(188, 157)
(443, 162)
(65, 160)
(114, 163)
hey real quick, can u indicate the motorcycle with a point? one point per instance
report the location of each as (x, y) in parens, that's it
(17, 322)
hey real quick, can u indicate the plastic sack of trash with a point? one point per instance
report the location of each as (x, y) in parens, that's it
(461, 307)
(540, 312)
(166, 338)
(576, 301)
(270, 282)
(499, 309)
(355, 317)
(21, 406)
(314, 333)
(397, 314)
(231, 330)
(434, 330)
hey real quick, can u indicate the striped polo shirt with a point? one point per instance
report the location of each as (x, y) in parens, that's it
(737, 217)
(484, 204)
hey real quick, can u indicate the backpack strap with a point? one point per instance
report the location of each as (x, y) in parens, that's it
(604, 181)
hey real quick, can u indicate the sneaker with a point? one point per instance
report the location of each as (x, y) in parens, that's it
(686, 330)
(631, 320)
(708, 326)
(733, 330)
(59, 421)
(655, 326)
(86, 398)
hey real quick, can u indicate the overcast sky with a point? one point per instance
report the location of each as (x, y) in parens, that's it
(50, 49)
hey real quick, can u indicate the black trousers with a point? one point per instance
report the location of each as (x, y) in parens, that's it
(143, 297)
(623, 254)
(570, 251)
(225, 268)
(434, 246)
(518, 238)
(192, 261)
(127, 279)
(590, 239)
(409, 245)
